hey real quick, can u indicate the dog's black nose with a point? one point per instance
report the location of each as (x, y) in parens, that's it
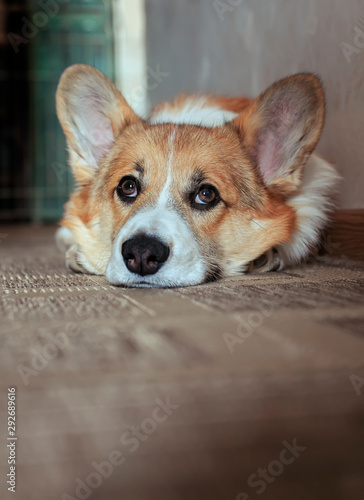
(144, 254)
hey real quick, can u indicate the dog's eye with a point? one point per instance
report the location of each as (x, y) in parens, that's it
(206, 197)
(128, 188)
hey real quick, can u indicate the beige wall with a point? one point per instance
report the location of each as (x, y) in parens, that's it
(242, 46)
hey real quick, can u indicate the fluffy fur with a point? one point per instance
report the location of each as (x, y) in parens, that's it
(275, 193)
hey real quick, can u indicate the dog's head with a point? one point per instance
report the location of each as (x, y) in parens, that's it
(166, 204)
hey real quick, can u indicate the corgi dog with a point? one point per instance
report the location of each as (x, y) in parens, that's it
(205, 188)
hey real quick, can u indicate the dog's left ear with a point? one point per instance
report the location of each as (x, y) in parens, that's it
(92, 113)
(282, 128)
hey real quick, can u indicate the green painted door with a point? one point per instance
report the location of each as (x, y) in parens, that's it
(80, 32)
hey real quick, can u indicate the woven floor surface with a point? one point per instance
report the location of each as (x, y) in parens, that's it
(187, 393)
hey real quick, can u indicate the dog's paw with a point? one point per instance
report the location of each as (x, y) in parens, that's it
(268, 261)
(74, 260)
(64, 238)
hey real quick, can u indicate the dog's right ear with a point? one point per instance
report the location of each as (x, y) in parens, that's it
(92, 113)
(281, 128)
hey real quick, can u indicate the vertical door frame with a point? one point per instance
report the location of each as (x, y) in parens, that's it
(130, 52)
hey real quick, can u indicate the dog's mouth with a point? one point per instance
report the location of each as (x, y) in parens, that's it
(142, 284)
(158, 282)
(145, 284)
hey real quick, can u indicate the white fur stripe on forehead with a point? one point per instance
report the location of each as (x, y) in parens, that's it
(195, 111)
(165, 195)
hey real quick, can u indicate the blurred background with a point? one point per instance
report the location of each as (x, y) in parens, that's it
(153, 49)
